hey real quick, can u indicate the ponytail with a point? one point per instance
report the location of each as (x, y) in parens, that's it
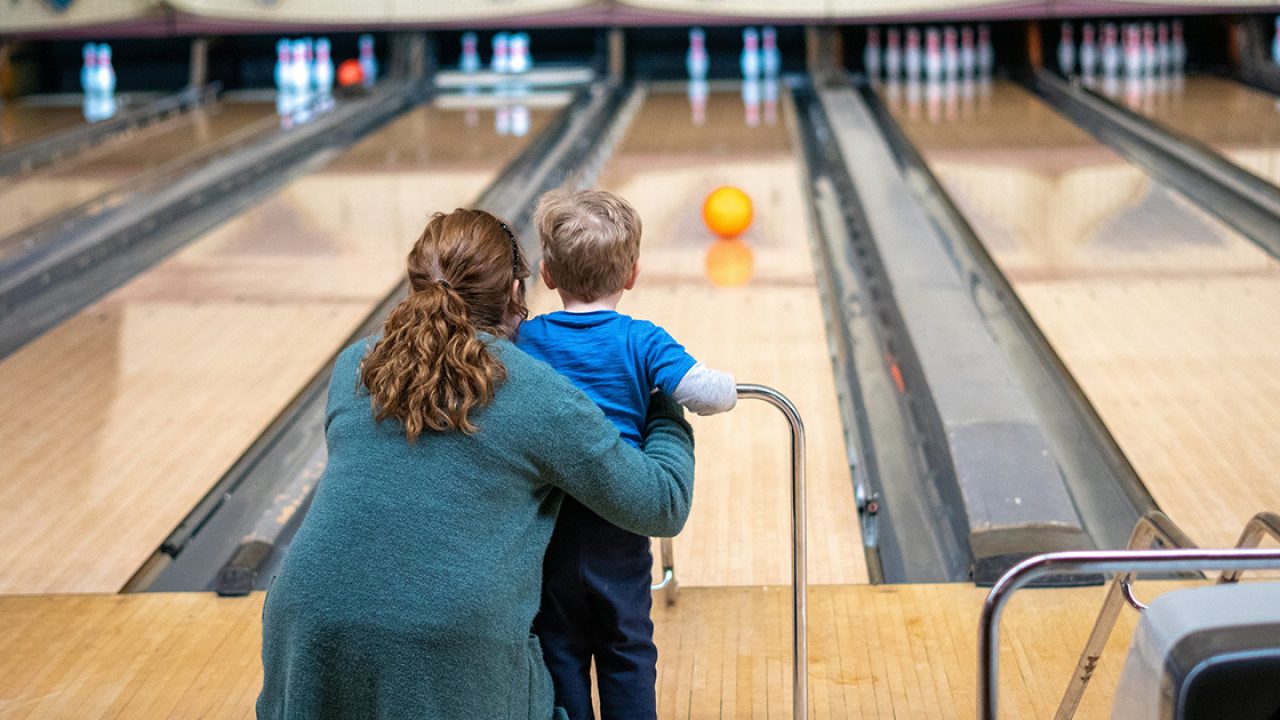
(430, 369)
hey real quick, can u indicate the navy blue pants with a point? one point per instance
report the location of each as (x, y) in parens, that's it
(595, 604)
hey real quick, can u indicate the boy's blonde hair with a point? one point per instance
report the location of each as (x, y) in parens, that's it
(590, 241)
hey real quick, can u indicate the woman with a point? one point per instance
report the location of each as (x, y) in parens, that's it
(412, 584)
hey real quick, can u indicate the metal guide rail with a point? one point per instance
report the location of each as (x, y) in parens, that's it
(1155, 528)
(45, 151)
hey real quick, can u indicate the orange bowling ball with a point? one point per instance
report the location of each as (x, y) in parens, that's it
(349, 73)
(727, 211)
(730, 263)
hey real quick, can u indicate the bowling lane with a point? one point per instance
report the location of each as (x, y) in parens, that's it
(22, 122)
(769, 330)
(1239, 122)
(119, 420)
(42, 194)
(1168, 319)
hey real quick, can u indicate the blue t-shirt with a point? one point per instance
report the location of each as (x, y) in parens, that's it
(615, 359)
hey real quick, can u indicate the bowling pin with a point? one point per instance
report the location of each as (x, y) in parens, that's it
(697, 90)
(968, 53)
(951, 52)
(470, 61)
(1088, 51)
(89, 70)
(911, 56)
(1110, 50)
(1132, 50)
(368, 61)
(1177, 48)
(751, 92)
(770, 55)
(106, 83)
(871, 54)
(933, 55)
(986, 53)
(696, 61)
(283, 56)
(500, 61)
(1066, 51)
(749, 62)
(301, 83)
(518, 53)
(893, 54)
(322, 74)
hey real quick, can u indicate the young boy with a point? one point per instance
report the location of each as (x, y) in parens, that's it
(595, 591)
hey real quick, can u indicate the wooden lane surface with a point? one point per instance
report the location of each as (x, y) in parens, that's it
(38, 195)
(1168, 320)
(119, 420)
(906, 651)
(1236, 120)
(768, 331)
(23, 122)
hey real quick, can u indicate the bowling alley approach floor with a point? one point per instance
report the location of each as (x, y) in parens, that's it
(1165, 317)
(906, 651)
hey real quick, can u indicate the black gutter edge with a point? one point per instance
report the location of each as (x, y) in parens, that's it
(1237, 197)
(45, 151)
(76, 264)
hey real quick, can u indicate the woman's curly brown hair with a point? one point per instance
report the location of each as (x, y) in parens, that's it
(430, 368)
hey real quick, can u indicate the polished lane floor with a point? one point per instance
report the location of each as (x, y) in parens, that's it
(22, 122)
(1168, 320)
(119, 420)
(1237, 121)
(33, 197)
(767, 329)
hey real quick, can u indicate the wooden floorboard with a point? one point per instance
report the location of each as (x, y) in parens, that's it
(904, 651)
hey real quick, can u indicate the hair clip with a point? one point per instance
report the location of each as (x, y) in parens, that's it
(515, 248)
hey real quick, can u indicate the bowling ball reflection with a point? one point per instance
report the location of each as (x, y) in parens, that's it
(730, 263)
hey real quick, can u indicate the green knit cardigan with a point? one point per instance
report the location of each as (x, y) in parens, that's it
(411, 586)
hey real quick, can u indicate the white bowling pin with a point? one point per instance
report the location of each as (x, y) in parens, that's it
(1088, 51)
(1132, 50)
(1164, 55)
(911, 56)
(968, 52)
(323, 74)
(770, 55)
(1177, 48)
(1110, 50)
(986, 53)
(1066, 50)
(470, 61)
(368, 61)
(696, 61)
(89, 70)
(518, 60)
(283, 57)
(749, 62)
(871, 54)
(951, 52)
(301, 83)
(893, 54)
(933, 55)
(106, 83)
(500, 61)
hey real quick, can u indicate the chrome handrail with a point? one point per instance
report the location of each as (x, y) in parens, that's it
(1107, 561)
(799, 549)
(1153, 526)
